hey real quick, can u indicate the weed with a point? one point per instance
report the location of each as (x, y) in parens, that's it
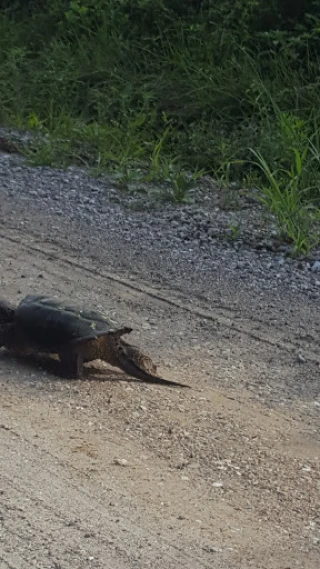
(284, 197)
(233, 231)
(179, 185)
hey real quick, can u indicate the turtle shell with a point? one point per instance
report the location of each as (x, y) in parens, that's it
(51, 324)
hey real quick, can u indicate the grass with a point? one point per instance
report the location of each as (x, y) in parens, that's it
(155, 98)
(283, 195)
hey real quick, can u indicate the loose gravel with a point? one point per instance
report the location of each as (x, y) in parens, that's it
(199, 247)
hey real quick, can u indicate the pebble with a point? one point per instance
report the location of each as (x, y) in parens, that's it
(211, 549)
(121, 462)
(315, 268)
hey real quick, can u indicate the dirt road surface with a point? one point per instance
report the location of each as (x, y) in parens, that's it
(111, 473)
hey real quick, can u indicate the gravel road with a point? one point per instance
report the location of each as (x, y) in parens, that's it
(109, 472)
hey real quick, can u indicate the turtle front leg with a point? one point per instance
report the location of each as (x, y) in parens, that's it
(71, 363)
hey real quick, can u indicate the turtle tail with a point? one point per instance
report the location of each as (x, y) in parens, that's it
(129, 359)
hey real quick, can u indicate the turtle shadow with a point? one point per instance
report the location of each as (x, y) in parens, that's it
(52, 366)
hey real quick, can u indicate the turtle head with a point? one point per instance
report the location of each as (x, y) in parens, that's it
(131, 360)
(115, 351)
(134, 355)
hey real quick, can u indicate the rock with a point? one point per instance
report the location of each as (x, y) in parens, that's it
(121, 462)
(217, 484)
(315, 268)
(212, 232)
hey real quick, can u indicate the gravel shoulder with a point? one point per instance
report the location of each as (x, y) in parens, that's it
(110, 472)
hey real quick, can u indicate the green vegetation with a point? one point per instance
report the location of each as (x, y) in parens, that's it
(165, 90)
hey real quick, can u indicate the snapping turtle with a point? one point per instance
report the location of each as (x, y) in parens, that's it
(40, 324)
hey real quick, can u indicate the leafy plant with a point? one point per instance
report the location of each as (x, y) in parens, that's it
(233, 231)
(283, 195)
(180, 184)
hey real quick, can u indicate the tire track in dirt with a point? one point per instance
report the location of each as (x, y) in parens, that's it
(60, 438)
(223, 316)
(49, 500)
